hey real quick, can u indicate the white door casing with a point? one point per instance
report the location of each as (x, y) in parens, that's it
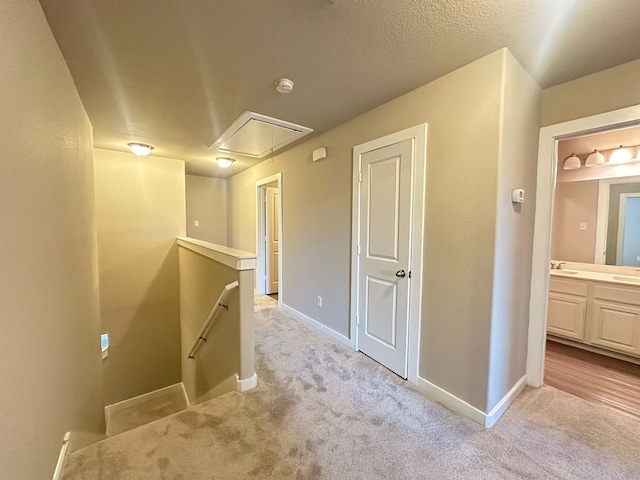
(545, 189)
(261, 232)
(272, 224)
(388, 211)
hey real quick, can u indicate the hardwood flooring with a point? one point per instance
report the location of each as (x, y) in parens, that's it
(594, 377)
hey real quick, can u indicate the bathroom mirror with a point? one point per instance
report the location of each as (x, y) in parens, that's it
(596, 217)
(597, 221)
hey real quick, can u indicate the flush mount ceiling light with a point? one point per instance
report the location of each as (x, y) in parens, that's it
(620, 155)
(284, 85)
(572, 162)
(140, 149)
(224, 162)
(595, 159)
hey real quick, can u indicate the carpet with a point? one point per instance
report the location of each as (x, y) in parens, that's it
(322, 410)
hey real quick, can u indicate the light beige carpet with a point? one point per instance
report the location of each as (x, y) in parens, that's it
(322, 410)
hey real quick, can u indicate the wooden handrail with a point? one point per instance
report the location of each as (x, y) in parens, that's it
(207, 323)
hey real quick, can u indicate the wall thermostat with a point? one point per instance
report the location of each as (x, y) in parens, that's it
(517, 195)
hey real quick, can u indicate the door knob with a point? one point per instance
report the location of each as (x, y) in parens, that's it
(401, 273)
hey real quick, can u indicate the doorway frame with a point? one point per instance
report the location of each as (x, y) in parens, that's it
(545, 193)
(261, 232)
(418, 137)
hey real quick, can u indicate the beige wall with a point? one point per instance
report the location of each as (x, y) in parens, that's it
(574, 203)
(601, 92)
(207, 203)
(463, 111)
(140, 210)
(514, 229)
(50, 368)
(201, 283)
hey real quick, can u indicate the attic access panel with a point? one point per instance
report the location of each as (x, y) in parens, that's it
(255, 135)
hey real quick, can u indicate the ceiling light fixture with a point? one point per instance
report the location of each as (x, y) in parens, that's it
(620, 155)
(572, 162)
(224, 162)
(595, 159)
(140, 149)
(284, 85)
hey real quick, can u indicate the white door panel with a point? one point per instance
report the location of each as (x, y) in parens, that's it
(385, 226)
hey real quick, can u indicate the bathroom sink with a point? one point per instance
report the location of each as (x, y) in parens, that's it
(628, 279)
(564, 272)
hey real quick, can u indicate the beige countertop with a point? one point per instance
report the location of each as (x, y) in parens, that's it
(596, 276)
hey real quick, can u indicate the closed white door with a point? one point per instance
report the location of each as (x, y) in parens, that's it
(384, 254)
(273, 241)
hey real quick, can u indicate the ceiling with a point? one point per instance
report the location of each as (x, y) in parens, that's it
(176, 74)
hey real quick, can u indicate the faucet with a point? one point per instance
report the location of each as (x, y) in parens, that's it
(557, 266)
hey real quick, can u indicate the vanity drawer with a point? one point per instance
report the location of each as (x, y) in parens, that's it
(616, 293)
(570, 287)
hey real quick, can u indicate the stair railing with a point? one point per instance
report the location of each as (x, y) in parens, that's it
(209, 321)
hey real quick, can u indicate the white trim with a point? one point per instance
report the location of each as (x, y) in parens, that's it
(130, 402)
(184, 394)
(317, 325)
(231, 257)
(260, 232)
(418, 135)
(501, 407)
(247, 383)
(465, 409)
(63, 457)
(622, 213)
(604, 186)
(545, 188)
(450, 401)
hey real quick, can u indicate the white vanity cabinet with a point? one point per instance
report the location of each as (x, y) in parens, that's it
(566, 314)
(601, 315)
(615, 318)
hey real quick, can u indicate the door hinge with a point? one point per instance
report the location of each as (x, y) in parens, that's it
(359, 177)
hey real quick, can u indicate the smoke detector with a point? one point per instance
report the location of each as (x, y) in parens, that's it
(284, 85)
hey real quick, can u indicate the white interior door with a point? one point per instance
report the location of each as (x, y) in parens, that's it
(628, 247)
(272, 241)
(384, 256)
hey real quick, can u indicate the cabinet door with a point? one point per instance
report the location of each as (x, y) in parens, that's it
(616, 326)
(566, 315)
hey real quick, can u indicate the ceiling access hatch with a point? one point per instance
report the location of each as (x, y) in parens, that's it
(255, 135)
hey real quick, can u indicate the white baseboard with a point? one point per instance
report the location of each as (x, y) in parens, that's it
(318, 326)
(62, 458)
(501, 407)
(247, 383)
(451, 401)
(130, 402)
(458, 405)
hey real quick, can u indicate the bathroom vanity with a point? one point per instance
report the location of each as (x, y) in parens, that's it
(595, 310)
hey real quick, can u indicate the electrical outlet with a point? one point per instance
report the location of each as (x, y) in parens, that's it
(319, 301)
(196, 223)
(638, 259)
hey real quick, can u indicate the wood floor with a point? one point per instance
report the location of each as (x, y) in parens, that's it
(593, 377)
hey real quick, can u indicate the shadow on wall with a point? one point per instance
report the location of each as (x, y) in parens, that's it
(144, 331)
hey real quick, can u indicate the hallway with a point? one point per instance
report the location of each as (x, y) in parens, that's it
(322, 410)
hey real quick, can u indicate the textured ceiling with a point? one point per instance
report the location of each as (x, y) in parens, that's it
(176, 73)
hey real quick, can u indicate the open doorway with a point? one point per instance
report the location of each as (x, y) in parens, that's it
(269, 237)
(587, 310)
